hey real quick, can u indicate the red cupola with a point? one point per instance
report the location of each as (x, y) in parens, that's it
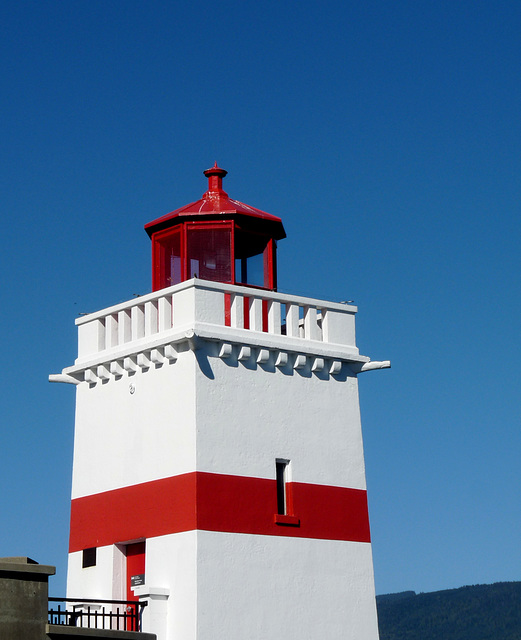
(215, 238)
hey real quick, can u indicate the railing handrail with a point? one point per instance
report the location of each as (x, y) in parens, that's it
(85, 613)
(255, 292)
(140, 603)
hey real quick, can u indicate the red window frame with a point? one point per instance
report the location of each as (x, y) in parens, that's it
(217, 224)
(270, 256)
(157, 253)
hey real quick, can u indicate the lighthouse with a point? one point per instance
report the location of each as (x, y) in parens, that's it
(218, 470)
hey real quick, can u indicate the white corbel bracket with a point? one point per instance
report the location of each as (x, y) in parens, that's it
(225, 350)
(193, 340)
(90, 376)
(156, 356)
(244, 353)
(102, 372)
(129, 364)
(264, 356)
(318, 364)
(116, 369)
(143, 361)
(170, 353)
(281, 360)
(335, 367)
(300, 361)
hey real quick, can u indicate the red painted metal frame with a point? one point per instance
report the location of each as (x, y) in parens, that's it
(158, 238)
(270, 265)
(157, 254)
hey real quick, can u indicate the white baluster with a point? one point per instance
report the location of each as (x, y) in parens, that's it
(165, 313)
(237, 311)
(255, 314)
(111, 331)
(311, 328)
(138, 321)
(274, 317)
(292, 320)
(124, 326)
(150, 317)
(101, 334)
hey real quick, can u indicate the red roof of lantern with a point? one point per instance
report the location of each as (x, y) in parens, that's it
(215, 204)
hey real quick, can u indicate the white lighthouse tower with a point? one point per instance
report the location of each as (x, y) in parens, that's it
(218, 464)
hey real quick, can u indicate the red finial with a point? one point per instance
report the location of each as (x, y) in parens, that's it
(215, 177)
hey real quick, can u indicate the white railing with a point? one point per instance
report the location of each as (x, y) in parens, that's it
(200, 302)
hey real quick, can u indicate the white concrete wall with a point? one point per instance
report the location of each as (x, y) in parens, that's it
(106, 580)
(267, 586)
(260, 587)
(171, 563)
(124, 438)
(248, 415)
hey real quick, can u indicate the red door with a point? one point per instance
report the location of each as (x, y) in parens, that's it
(135, 573)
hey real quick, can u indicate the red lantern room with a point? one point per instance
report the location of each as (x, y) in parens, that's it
(215, 238)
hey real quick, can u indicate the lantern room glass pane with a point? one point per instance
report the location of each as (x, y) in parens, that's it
(170, 260)
(209, 252)
(250, 270)
(251, 262)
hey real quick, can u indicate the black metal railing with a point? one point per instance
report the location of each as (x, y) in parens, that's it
(124, 615)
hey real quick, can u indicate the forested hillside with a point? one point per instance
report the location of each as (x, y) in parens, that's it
(479, 612)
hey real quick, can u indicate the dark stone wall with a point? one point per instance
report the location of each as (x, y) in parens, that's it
(23, 599)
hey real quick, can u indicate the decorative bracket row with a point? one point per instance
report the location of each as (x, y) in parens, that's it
(168, 353)
(131, 364)
(282, 358)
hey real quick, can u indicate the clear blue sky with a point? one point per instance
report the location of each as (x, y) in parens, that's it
(387, 135)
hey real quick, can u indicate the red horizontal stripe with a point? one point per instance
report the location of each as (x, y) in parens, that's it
(215, 502)
(140, 511)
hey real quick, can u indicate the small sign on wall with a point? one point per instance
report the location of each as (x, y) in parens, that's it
(137, 581)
